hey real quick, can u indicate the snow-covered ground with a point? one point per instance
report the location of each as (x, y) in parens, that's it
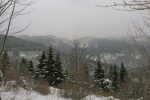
(22, 94)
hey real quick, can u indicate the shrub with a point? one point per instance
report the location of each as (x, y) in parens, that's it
(74, 90)
(42, 86)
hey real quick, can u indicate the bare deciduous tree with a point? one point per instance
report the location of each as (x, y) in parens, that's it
(139, 30)
(139, 37)
(77, 86)
(129, 5)
(9, 10)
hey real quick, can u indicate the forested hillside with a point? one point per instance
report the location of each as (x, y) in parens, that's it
(14, 43)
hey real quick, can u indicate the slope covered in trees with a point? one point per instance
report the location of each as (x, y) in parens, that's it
(14, 43)
(111, 45)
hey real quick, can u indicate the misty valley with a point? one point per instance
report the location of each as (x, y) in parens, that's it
(74, 50)
(87, 54)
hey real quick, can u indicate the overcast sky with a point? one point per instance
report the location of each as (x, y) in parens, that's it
(75, 18)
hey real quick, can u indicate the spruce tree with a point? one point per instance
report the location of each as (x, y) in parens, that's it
(39, 71)
(111, 72)
(49, 67)
(58, 71)
(123, 73)
(31, 68)
(99, 75)
(115, 78)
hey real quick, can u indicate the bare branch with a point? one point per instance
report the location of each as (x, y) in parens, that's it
(132, 5)
(8, 28)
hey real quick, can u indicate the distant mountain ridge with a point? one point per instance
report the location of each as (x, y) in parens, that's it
(93, 45)
(50, 40)
(14, 43)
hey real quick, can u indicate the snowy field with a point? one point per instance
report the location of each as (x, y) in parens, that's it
(22, 94)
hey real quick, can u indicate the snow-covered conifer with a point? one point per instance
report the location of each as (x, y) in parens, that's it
(99, 75)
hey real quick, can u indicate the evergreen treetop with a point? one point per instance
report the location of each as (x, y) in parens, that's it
(31, 68)
(99, 74)
(115, 78)
(39, 72)
(123, 73)
(59, 70)
(50, 68)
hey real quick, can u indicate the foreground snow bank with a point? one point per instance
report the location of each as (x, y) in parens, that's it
(93, 97)
(22, 94)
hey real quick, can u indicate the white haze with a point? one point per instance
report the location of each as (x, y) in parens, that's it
(76, 18)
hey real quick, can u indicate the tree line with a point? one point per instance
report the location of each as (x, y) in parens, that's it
(116, 76)
(51, 69)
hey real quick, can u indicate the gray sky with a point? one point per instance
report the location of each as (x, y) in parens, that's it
(75, 18)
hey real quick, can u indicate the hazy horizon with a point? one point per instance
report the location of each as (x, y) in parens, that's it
(76, 18)
(73, 37)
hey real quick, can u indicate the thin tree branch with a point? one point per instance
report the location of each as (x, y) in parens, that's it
(4, 42)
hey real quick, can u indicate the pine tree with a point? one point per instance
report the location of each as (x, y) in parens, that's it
(123, 73)
(115, 78)
(31, 68)
(58, 71)
(39, 71)
(99, 75)
(111, 71)
(49, 67)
